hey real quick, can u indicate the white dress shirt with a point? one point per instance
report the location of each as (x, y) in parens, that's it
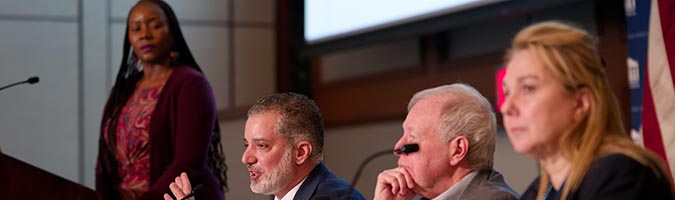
(290, 194)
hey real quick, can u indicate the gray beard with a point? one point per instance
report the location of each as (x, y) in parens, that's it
(275, 180)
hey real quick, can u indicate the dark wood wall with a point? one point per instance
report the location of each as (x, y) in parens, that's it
(384, 96)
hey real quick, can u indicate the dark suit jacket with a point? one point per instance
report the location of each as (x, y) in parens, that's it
(322, 184)
(489, 184)
(616, 177)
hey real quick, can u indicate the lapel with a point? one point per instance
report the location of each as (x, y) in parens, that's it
(309, 187)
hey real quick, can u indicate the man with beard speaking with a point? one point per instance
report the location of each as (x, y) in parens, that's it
(284, 148)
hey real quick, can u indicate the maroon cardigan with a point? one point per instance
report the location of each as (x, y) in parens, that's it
(180, 135)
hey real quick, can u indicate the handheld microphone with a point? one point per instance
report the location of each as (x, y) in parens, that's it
(406, 149)
(193, 192)
(31, 80)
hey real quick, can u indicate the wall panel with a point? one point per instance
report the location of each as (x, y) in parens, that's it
(208, 10)
(255, 75)
(39, 8)
(39, 123)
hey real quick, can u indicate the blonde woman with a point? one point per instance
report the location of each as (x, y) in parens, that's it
(559, 109)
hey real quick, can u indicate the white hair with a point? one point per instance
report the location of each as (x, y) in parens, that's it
(465, 113)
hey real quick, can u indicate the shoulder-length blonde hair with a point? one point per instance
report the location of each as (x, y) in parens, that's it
(569, 53)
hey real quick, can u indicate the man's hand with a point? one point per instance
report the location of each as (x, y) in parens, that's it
(180, 187)
(394, 183)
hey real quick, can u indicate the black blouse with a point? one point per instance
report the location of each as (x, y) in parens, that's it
(614, 177)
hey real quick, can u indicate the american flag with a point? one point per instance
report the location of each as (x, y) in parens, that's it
(658, 99)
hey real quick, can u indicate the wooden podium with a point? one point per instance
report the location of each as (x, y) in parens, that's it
(20, 180)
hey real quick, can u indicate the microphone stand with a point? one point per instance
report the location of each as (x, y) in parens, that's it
(408, 148)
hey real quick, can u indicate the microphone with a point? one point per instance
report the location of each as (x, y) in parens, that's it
(193, 192)
(406, 149)
(31, 80)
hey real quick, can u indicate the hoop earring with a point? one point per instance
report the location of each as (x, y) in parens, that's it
(173, 56)
(134, 65)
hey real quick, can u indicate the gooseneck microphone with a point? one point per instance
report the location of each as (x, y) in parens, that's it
(405, 149)
(31, 80)
(408, 148)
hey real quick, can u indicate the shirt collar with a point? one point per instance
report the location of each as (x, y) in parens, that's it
(290, 194)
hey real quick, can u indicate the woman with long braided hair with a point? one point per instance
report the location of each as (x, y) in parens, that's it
(160, 117)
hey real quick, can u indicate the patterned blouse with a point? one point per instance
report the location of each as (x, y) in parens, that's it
(133, 142)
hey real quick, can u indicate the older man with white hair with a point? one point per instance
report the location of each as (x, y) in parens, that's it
(455, 128)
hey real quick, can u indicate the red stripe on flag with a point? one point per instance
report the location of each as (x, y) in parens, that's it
(651, 133)
(667, 16)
